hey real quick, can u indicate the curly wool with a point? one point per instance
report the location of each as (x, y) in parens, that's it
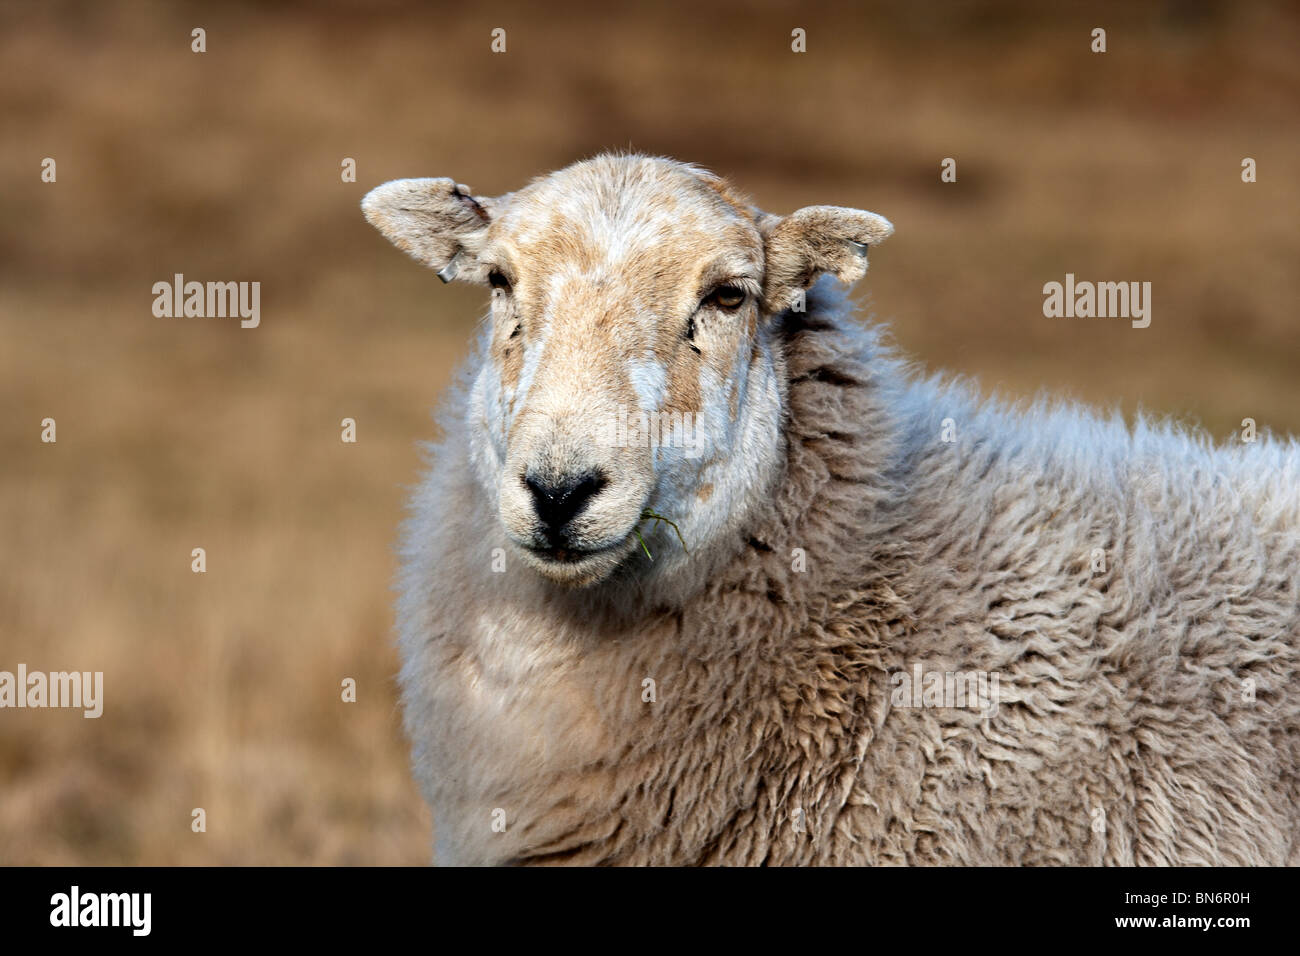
(1145, 708)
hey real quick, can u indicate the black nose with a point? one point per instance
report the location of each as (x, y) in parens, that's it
(558, 502)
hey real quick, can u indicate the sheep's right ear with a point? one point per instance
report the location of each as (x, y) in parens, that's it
(436, 221)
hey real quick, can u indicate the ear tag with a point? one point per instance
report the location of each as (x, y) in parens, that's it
(859, 248)
(451, 269)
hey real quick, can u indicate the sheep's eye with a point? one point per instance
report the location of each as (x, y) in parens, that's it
(497, 281)
(515, 333)
(729, 298)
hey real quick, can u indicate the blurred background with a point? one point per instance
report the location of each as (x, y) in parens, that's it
(222, 690)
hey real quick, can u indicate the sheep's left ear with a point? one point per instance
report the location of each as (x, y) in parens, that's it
(436, 221)
(815, 240)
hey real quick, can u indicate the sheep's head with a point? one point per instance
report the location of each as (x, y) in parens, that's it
(628, 362)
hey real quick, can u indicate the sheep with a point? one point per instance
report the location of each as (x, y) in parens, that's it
(892, 622)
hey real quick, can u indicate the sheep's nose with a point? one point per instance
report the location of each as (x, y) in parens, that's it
(557, 502)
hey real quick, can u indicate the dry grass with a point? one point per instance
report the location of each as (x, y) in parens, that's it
(222, 690)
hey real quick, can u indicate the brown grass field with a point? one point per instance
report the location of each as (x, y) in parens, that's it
(222, 690)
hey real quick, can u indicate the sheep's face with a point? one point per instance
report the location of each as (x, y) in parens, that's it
(628, 366)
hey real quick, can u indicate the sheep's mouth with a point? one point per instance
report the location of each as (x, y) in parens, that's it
(574, 567)
(568, 555)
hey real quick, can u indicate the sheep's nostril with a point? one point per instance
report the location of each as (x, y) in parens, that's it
(558, 501)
